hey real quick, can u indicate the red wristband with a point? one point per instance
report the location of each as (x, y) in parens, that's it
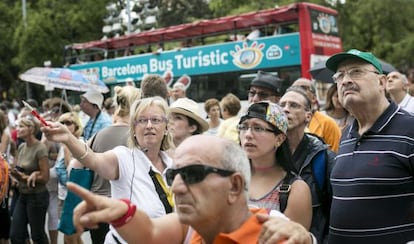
(127, 216)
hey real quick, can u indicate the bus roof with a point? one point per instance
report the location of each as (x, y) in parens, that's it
(203, 27)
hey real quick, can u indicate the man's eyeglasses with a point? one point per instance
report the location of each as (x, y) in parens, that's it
(293, 105)
(255, 128)
(67, 122)
(155, 120)
(261, 95)
(195, 173)
(355, 73)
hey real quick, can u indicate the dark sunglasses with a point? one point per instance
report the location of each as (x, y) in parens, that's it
(195, 173)
(67, 122)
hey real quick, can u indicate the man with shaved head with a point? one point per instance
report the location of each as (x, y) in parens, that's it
(320, 124)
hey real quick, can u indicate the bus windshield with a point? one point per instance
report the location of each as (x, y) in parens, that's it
(218, 55)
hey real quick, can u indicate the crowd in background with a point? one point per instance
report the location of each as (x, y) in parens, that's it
(129, 141)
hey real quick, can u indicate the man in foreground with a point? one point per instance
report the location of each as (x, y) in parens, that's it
(373, 176)
(210, 185)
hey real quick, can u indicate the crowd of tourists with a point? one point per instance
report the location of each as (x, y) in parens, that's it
(282, 169)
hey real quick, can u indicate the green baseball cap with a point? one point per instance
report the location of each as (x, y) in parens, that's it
(333, 62)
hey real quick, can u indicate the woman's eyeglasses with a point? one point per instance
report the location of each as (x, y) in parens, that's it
(254, 128)
(195, 173)
(155, 120)
(67, 122)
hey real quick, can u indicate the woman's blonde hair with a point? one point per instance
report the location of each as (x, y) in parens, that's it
(124, 97)
(137, 108)
(73, 116)
(30, 121)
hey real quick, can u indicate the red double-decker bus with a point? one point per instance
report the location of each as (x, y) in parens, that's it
(223, 57)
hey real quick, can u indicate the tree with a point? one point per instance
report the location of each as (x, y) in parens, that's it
(175, 12)
(7, 69)
(231, 7)
(50, 25)
(380, 26)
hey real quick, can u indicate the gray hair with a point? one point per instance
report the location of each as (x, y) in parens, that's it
(234, 158)
(404, 79)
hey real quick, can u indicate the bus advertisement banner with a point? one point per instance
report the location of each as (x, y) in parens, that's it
(262, 53)
(325, 32)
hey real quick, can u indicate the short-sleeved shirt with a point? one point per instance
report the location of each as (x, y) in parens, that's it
(228, 129)
(373, 182)
(135, 183)
(28, 159)
(102, 120)
(326, 128)
(247, 233)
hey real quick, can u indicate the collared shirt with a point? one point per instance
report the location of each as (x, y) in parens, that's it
(247, 233)
(101, 121)
(373, 182)
(407, 103)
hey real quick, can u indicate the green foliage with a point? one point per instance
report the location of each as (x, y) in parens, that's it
(230, 7)
(7, 28)
(175, 12)
(380, 26)
(50, 25)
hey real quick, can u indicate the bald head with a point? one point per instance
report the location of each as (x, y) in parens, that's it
(203, 146)
(305, 84)
(213, 151)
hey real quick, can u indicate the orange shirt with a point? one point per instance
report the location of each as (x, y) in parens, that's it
(326, 128)
(247, 233)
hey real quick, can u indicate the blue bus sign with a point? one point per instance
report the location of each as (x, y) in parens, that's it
(266, 52)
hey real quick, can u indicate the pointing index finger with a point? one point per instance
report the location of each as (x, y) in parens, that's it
(80, 191)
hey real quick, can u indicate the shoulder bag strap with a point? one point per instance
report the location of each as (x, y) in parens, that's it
(284, 191)
(161, 193)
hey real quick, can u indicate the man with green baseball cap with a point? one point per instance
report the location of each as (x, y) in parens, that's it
(372, 177)
(333, 62)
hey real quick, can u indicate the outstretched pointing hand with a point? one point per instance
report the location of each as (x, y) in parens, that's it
(94, 209)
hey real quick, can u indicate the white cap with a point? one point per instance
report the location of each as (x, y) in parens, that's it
(94, 97)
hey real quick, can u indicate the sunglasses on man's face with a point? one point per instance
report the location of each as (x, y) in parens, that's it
(195, 173)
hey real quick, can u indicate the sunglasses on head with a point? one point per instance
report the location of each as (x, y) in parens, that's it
(67, 122)
(195, 173)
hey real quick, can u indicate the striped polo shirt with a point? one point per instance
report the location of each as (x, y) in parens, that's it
(372, 182)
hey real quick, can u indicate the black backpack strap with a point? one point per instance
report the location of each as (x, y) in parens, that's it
(161, 193)
(284, 190)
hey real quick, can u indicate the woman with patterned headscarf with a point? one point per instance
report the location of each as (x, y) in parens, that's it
(262, 132)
